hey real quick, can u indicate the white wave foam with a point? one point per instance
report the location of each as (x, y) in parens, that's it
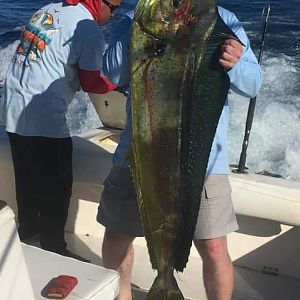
(276, 126)
(81, 115)
(19, 28)
(293, 162)
(6, 55)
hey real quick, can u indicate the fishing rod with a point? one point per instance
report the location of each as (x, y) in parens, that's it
(251, 108)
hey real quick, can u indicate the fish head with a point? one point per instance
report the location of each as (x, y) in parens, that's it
(163, 19)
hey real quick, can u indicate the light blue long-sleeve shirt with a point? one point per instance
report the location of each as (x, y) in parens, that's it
(245, 78)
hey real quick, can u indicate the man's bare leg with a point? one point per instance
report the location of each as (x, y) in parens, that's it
(217, 268)
(117, 254)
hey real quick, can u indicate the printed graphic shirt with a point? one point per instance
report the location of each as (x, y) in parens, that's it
(43, 76)
(245, 78)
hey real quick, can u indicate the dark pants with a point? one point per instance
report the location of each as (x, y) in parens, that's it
(43, 175)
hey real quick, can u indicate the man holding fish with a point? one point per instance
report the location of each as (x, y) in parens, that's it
(183, 57)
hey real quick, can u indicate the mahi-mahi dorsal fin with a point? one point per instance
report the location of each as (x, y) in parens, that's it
(210, 89)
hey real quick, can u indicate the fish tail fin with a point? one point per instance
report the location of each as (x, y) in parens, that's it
(165, 287)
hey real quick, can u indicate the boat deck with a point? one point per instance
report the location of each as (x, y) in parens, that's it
(250, 284)
(265, 252)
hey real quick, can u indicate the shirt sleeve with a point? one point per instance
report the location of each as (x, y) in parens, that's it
(246, 75)
(90, 46)
(116, 59)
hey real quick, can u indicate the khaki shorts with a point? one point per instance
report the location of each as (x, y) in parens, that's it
(118, 209)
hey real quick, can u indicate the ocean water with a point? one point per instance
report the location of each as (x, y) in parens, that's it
(274, 143)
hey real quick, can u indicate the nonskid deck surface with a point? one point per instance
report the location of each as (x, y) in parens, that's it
(249, 284)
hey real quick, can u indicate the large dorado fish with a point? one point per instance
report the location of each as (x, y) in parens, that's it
(178, 92)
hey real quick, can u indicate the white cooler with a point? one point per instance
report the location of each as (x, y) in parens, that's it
(94, 282)
(26, 270)
(14, 278)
